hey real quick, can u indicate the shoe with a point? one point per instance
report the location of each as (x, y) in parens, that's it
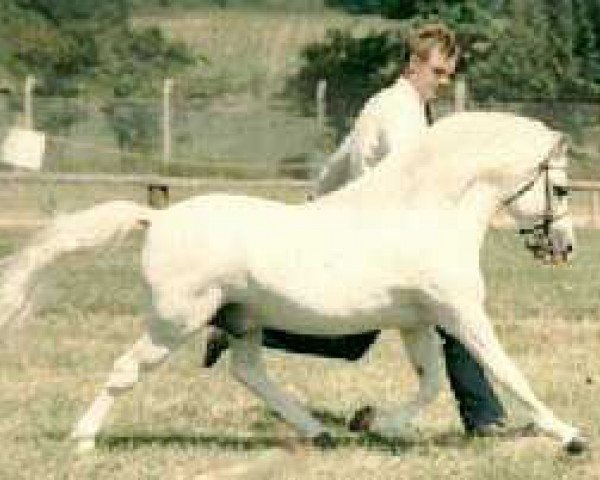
(216, 344)
(493, 429)
(499, 429)
(529, 430)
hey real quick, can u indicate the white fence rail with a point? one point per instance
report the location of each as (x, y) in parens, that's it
(585, 203)
(157, 187)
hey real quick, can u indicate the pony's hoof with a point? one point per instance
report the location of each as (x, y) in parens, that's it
(575, 446)
(85, 445)
(324, 441)
(216, 344)
(362, 420)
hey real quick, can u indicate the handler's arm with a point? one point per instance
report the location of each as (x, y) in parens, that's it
(369, 145)
(359, 151)
(336, 170)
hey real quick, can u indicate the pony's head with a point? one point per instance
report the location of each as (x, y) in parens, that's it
(521, 159)
(540, 207)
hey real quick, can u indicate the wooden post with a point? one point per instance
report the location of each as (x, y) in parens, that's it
(166, 154)
(321, 104)
(28, 102)
(460, 95)
(158, 195)
(595, 209)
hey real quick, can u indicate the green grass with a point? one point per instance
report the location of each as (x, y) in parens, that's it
(566, 292)
(290, 6)
(252, 52)
(184, 421)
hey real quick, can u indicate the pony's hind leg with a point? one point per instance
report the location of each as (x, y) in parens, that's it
(167, 330)
(423, 348)
(126, 372)
(247, 367)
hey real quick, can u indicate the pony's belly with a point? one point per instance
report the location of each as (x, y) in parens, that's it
(281, 313)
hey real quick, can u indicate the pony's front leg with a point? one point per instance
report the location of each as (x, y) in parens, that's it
(423, 348)
(470, 325)
(247, 367)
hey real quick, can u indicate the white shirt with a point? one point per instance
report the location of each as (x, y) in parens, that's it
(388, 123)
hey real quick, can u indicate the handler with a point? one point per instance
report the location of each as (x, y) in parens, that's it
(388, 123)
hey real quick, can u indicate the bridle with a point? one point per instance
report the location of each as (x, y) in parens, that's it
(539, 235)
(548, 217)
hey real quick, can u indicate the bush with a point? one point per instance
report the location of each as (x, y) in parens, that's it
(354, 68)
(298, 167)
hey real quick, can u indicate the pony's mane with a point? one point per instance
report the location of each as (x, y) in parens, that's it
(456, 151)
(491, 142)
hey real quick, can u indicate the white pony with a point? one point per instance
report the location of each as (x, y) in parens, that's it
(352, 261)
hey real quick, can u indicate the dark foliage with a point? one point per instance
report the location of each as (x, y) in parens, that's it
(72, 46)
(354, 67)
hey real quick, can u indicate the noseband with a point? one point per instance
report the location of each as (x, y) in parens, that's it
(539, 242)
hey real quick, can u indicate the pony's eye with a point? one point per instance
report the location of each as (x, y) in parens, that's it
(560, 191)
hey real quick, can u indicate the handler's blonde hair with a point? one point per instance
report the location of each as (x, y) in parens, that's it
(422, 40)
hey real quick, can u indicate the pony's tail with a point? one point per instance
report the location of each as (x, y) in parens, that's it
(67, 233)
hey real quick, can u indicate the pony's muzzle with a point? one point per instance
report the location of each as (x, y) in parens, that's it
(545, 249)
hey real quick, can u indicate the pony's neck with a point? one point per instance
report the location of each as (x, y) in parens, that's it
(476, 207)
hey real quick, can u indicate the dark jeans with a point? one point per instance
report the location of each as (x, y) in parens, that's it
(477, 403)
(346, 347)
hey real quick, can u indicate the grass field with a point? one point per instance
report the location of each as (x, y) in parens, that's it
(252, 52)
(185, 422)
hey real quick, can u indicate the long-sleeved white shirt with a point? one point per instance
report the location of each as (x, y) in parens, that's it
(389, 122)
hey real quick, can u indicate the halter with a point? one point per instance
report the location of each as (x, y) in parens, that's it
(540, 242)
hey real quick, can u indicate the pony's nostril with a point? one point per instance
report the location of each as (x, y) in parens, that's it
(569, 248)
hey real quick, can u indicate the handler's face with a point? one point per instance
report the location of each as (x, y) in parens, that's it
(432, 73)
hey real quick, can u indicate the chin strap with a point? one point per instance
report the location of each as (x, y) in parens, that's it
(538, 240)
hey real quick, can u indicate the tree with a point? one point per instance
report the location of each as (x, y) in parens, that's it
(70, 44)
(586, 42)
(543, 49)
(76, 45)
(510, 49)
(356, 6)
(134, 125)
(354, 68)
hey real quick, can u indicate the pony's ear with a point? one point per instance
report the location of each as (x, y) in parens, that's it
(558, 153)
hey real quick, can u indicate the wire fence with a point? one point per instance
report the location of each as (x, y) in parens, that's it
(241, 138)
(237, 137)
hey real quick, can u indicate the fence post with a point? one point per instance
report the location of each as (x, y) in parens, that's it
(28, 102)
(49, 202)
(166, 153)
(320, 137)
(158, 194)
(321, 104)
(460, 94)
(595, 209)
